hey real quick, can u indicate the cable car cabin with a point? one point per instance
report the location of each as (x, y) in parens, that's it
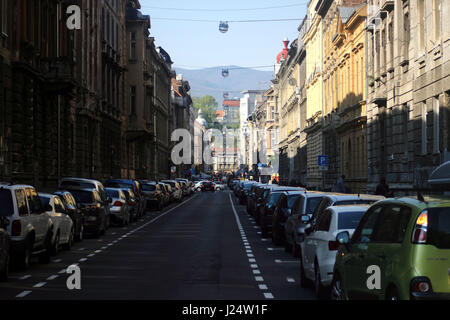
(223, 26)
(225, 72)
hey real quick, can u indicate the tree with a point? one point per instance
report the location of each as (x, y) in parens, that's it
(208, 105)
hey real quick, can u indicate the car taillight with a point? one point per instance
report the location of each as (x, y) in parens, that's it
(117, 204)
(419, 234)
(333, 245)
(16, 228)
(421, 285)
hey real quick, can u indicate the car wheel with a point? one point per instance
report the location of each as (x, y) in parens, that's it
(392, 294)
(44, 257)
(67, 246)
(337, 289)
(304, 282)
(4, 273)
(319, 290)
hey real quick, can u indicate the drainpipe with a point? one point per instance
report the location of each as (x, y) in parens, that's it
(58, 17)
(366, 52)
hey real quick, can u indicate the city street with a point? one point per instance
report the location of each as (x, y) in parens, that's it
(206, 247)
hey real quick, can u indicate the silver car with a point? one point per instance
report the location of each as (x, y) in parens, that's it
(119, 209)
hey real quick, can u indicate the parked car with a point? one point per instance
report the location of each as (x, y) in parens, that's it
(152, 195)
(63, 232)
(295, 228)
(260, 202)
(165, 193)
(5, 251)
(131, 202)
(257, 199)
(267, 210)
(208, 186)
(245, 190)
(339, 199)
(95, 209)
(186, 185)
(251, 198)
(282, 211)
(219, 186)
(133, 185)
(27, 222)
(198, 185)
(77, 183)
(318, 251)
(74, 213)
(408, 239)
(120, 213)
(177, 192)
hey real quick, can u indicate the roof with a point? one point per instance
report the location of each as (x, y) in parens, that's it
(349, 208)
(347, 12)
(219, 113)
(231, 103)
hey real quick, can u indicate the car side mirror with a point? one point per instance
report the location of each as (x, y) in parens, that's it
(343, 238)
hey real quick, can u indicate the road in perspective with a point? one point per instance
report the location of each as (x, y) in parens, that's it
(206, 247)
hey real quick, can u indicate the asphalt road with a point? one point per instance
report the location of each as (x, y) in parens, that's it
(204, 248)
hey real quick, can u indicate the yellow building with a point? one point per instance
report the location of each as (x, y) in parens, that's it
(344, 76)
(313, 41)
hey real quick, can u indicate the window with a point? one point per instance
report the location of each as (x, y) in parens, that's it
(133, 45)
(59, 206)
(406, 36)
(421, 21)
(363, 232)
(33, 201)
(349, 220)
(391, 225)
(324, 221)
(424, 128)
(437, 19)
(133, 100)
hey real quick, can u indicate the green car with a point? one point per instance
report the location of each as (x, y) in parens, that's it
(399, 251)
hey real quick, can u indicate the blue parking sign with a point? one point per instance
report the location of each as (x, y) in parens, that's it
(323, 160)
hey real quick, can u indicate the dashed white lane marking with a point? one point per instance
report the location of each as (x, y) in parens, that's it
(264, 239)
(251, 260)
(98, 251)
(83, 259)
(81, 249)
(259, 232)
(250, 255)
(291, 280)
(274, 249)
(39, 285)
(249, 250)
(286, 261)
(62, 271)
(268, 295)
(53, 277)
(259, 279)
(254, 266)
(56, 260)
(256, 227)
(23, 294)
(91, 255)
(262, 287)
(28, 276)
(256, 271)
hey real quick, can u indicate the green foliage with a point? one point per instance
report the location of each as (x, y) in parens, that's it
(208, 105)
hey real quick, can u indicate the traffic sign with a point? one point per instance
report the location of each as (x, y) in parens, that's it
(322, 161)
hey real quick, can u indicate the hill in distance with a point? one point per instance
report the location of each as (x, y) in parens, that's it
(210, 81)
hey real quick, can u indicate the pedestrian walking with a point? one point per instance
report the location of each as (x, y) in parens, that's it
(383, 188)
(340, 185)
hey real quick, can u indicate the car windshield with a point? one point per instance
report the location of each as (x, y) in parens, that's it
(311, 204)
(116, 184)
(148, 187)
(82, 196)
(44, 200)
(82, 184)
(349, 220)
(291, 199)
(248, 186)
(274, 198)
(112, 193)
(439, 227)
(6, 203)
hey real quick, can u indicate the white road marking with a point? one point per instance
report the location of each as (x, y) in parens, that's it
(91, 255)
(286, 261)
(62, 271)
(291, 280)
(81, 249)
(254, 266)
(259, 232)
(28, 276)
(83, 259)
(262, 287)
(274, 249)
(250, 255)
(268, 295)
(23, 294)
(256, 227)
(256, 271)
(53, 277)
(259, 279)
(56, 260)
(98, 251)
(251, 260)
(39, 285)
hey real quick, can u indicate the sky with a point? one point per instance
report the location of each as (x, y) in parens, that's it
(197, 45)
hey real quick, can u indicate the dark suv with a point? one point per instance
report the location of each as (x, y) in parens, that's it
(75, 213)
(95, 211)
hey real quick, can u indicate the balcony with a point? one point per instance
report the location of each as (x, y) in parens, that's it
(387, 5)
(58, 74)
